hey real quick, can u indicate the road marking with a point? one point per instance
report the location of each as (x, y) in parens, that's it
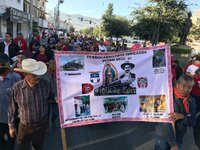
(103, 139)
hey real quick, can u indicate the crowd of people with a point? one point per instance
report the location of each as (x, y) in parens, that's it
(24, 103)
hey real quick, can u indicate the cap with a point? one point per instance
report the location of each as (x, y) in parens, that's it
(19, 33)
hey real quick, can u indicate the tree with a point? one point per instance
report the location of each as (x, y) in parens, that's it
(160, 20)
(71, 29)
(88, 31)
(195, 32)
(109, 10)
(97, 31)
(187, 24)
(114, 25)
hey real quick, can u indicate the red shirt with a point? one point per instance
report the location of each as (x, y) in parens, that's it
(136, 46)
(42, 57)
(64, 47)
(196, 87)
(38, 37)
(23, 44)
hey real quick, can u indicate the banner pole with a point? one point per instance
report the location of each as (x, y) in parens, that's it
(64, 139)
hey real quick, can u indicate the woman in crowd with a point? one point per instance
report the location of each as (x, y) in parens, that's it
(42, 55)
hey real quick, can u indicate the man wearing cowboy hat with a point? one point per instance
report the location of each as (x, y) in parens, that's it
(7, 79)
(29, 101)
(127, 77)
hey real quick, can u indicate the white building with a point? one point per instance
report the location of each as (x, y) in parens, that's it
(18, 4)
(39, 14)
(196, 17)
(79, 22)
(12, 17)
(15, 16)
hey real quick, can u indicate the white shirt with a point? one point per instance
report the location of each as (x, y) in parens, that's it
(6, 48)
(102, 48)
(192, 69)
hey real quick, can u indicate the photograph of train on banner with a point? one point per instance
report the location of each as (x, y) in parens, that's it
(115, 83)
(156, 103)
(159, 58)
(71, 63)
(115, 104)
(82, 105)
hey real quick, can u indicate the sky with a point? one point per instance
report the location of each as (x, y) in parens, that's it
(95, 8)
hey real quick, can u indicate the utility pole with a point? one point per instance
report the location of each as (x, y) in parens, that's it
(57, 23)
(31, 21)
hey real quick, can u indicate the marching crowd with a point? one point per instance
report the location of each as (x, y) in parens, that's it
(27, 82)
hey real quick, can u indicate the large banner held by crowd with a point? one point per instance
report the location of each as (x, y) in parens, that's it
(98, 87)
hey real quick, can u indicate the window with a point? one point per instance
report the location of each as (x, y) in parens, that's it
(19, 27)
(19, 1)
(25, 8)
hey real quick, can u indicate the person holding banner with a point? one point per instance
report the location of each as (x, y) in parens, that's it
(196, 94)
(169, 136)
(29, 101)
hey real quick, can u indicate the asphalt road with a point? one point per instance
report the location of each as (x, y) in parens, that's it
(110, 136)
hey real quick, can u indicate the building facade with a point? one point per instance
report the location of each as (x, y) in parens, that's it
(12, 17)
(196, 17)
(15, 17)
(39, 14)
(77, 21)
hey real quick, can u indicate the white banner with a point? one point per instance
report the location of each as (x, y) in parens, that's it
(98, 87)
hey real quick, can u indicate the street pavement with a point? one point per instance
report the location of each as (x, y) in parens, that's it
(110, 136)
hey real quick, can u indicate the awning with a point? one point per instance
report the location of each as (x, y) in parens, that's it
(2, 11)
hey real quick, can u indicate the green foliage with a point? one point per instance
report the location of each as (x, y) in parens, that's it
(195, 32)
(85, 99)
(97, 31)
(114, 25)
(71, 29)
(180, 50)
(109, 11)
(88, 31)
(160, 20)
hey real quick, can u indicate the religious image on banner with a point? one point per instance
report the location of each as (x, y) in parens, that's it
(156, 103)
(112, 85)
(110, 73)
(159, 58)
(71, 63)
(82, 105)
(115, 104)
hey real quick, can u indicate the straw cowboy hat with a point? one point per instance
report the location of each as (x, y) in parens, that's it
(33, 67)
(127, 63)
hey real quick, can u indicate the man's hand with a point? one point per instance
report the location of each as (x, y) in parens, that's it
(56, 99)
(174, 148)
(175, 116)
(12, 132)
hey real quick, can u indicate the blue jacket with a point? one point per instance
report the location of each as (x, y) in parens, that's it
(165, 130)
